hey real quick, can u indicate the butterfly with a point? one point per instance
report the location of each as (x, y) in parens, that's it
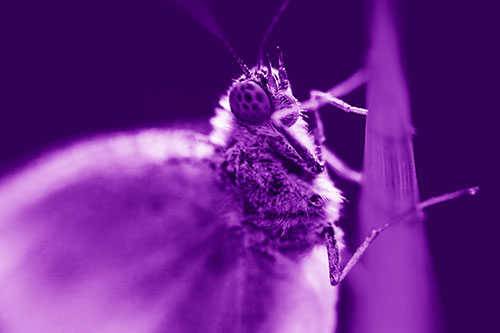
(156, 229)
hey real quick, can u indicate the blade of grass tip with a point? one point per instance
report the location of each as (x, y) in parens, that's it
(395, 291)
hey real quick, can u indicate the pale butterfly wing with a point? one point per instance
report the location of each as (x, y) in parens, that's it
(133, 233)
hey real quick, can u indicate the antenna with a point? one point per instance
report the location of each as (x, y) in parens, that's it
(240, 62)
(270, 28)
(204, 15)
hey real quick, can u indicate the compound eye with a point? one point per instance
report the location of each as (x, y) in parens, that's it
(249, 102)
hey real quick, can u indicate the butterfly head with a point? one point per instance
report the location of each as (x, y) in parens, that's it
(260, 92)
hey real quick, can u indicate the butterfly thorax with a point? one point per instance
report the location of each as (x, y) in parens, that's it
(272, 184)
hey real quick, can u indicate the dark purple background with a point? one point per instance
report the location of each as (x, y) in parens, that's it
(73, 69)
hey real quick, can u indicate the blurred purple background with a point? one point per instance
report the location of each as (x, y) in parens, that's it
(70, 70)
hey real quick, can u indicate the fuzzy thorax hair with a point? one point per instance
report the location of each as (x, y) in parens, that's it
(271, 181)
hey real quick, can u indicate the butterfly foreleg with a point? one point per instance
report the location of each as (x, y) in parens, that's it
(311, 161)
(325, 154)
(350, 84)
(332, 96)
(341, 273)
(340, 167)
(323, 98)
(333, 256)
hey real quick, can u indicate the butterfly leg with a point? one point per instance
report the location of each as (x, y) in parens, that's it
(311, 161)
(347, 86)
(341, 89)
(332, 96)
(333, 256)
(350, 84)
(342, 273)
(340, 167)
(327, 98)
(315, 161)
(323, 153)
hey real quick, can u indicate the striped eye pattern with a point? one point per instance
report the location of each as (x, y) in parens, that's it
(249, 102)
